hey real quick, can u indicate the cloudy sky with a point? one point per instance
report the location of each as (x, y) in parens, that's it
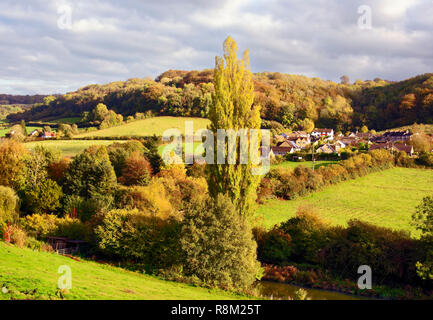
(55, 46)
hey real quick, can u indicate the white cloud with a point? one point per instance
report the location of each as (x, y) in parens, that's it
(112, 40)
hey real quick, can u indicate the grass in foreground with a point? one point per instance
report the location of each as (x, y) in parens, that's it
(387, 198)
(148, 127)
(24, 270)
(70, 148)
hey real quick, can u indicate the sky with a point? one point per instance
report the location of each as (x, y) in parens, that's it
(56, 46)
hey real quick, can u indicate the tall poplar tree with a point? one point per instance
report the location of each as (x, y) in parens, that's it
(232, 108)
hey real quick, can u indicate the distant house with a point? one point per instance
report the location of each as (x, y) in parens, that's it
(348, 141)
(34, 133)
(326, 148)
(48, 135)
(394, 136)
(339, 145)
(323, 133)
(365, 136)
(394, 147)
(285, 147)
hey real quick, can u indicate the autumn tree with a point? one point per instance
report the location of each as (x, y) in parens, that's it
(12, 155)
(232, 108)
(137, 170)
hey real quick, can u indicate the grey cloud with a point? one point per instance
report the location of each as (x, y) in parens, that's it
(113, 40)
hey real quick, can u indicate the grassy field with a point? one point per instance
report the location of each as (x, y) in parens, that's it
(66, 120)
(309, 164)
(70, 148)
(386, 198)
(4, 130)
(148, 127)
(23, 270)
(425, 128)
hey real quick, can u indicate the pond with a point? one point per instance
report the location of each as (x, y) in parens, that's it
(284, 290)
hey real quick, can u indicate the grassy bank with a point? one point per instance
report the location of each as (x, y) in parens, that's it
(70, 148)
(148, 127)
(23, 270)
(387, 198)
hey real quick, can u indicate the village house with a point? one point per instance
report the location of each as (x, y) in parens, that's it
(348, 141)
(394, 147)
(394, 136)
(326, 148)
(34, 133)
(48, 135)
(284, 147)
(323, 133)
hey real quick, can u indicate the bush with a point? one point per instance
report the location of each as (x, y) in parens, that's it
(8, 205)
(131, 234)
(90, 174)
(45, 225)
(136, 170)
(217, 245)
(277, 247)
(44, 197)
(308, 235)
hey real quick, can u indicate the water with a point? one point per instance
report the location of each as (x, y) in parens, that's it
(284, 290)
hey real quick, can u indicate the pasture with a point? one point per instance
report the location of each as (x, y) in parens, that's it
(308, 164)
(148, 127)
(387, 198)
(70, 148)
(23, 270)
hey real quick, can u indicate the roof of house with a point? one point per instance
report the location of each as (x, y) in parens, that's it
(397, 133)
(323, 130)
(404, 147)
(388, 145)
(281, 149)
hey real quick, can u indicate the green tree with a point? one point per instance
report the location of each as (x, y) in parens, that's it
(100, 112)
(42, 198)
(217, 244)
(8, 205)
(90, 174)
(232, 108)
(23, 126)
(422, 219)
(12, 164)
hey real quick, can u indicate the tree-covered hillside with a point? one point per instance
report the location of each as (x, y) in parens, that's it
(297, 102)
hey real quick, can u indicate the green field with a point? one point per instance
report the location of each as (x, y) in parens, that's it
(23, 270)
(148, 127)
(70, 148)
(4, 130)
(66, 120)
(308, 164)
(386, 198)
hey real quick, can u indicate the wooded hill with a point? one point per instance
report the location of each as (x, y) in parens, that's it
(297, 102)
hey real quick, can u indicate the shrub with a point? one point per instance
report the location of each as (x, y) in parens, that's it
(45, 225)
(131, 234)
(17, 236)
(44, 197)
(12, 155)
(151, 199)
(308, 234)
(8, 205)
(136, 171)
(57, 170)
(217, 245)
(277, 247)
(90, 174)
